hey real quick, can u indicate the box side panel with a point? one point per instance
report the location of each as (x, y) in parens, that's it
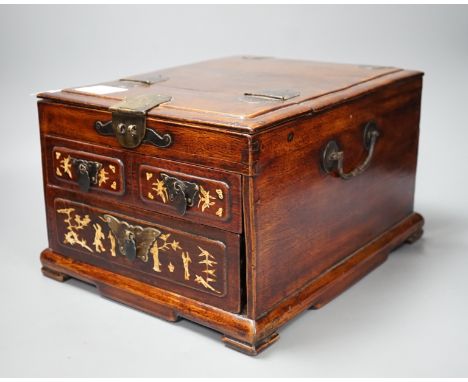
(304, 221)
(44, 174)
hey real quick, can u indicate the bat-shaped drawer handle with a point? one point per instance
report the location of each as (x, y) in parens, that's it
(182, 194)
(133, 241)
(332, 156)
(87, 172)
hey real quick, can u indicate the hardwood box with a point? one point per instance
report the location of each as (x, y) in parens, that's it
(236, 192)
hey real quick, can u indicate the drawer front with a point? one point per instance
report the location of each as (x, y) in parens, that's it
(105, 174)
(211, 197)
(149, 248)
(207, 147)
(85, 168)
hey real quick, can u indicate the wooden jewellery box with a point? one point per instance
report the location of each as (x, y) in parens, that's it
(235, 193)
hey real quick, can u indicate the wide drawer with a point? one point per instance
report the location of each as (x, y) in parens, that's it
(200, 263)
(146, 182)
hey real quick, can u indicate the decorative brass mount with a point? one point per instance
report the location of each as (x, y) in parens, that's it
(133, 241)
(181, 193)
(129, 122)
(87, 172)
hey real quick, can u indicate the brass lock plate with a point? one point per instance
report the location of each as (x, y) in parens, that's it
(129, 118)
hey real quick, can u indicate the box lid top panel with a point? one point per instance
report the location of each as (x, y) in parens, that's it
(242, 94)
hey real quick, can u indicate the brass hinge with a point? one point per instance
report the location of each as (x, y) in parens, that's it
(129, 121)
(146, 79)
(270, 95)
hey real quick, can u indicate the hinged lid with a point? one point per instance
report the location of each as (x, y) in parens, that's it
(237, 93)
(145, 79)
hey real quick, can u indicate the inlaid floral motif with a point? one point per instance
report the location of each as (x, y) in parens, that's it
(103, 177)
(205, 200)
(160, 190)
(74, 224)
(210, 201)
(108, 176)
(98, 237)
(210, 271)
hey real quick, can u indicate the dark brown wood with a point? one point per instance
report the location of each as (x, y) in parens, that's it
(282, 235)
(250, 349)
(415, 236)
(317, 218)
(138, 302)
(57, 276)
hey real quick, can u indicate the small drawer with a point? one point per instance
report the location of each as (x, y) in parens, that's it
(79, 167)
(197, 194)
(203, 264)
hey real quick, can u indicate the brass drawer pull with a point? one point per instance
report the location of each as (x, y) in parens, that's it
(133, 241)
(332, 157)
(87, 172)
(181, 193)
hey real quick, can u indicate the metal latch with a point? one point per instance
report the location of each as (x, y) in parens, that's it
(271, 95)
(129, 122)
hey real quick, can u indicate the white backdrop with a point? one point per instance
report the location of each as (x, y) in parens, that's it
(407, 318)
